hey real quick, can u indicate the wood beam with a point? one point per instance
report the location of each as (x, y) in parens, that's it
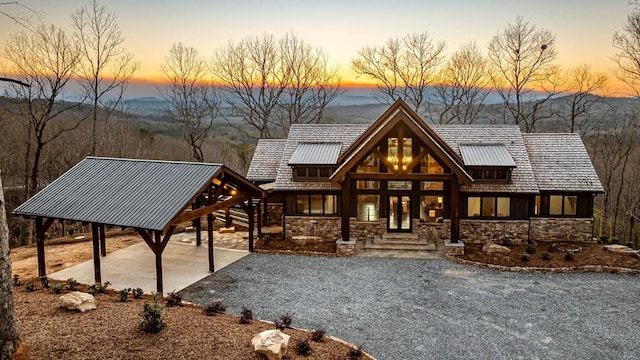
(166, 238)
(455, 210)
(210, 240)
(251, 224)
(147, 238)
(190, 215)
(259, 216)
(384, 160)
(416, 160)
(346, 207)
(158, 252)
(42, 268)
(407, 176)
(95, 236)
(103, 241)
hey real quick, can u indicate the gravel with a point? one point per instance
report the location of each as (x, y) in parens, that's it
(434, 309)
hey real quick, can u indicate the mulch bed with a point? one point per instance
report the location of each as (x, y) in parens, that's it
(591, 254)
(282, 246)
(111, 332)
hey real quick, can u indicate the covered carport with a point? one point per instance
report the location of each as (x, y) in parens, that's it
(150, 196)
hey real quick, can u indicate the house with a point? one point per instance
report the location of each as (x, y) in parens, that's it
(474, 183)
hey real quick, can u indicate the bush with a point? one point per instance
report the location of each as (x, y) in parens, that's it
(302, 347)
(355, 353)
(568, 255)
(16, 280)
(152, 318)
(124, 293)
(174, 299)
(72, 284)
(546, 255)
(245, 316)
(265, 239)
(98, 288)
(506, 242)
(525, 257)
(214, 308)
(29, 286)
(318, 335)
(629, 244)
(531, 248)
(137, 293)
(44, 281)
(615, 241)
(284, 321)
(604, 239)
(57, 288)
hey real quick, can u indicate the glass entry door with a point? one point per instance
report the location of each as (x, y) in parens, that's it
(399, 219)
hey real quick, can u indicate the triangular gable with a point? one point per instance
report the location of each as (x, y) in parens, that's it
(397, 113)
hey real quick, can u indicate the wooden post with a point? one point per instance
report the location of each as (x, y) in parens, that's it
(251, 224)
(265, 220)
(346, 207)
(157, 242)
(64, 231)
(42, 269)
(210, 241)
(96, 253)
(259, 217)
(455, 210)
(198, 224)
(227, 217)
(103, 241)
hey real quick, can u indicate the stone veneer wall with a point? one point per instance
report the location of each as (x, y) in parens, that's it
(327, 228)
(274, 214)
(561, 229)
(475, 231)
(433, 231)
(366, 229)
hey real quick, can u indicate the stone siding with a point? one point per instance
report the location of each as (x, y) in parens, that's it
(364, 230)
(474, 231)
(346, 248)
(433, 231)
(274, 214)
(561, 229)
(327, 228)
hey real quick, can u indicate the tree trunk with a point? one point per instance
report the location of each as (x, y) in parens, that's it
(8, 330)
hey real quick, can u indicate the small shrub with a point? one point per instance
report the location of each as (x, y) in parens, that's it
(568, 255)
(98, 288)
(525, 257)
(599, 242)
(284, 321)
(506, 242)
(629, 244)
(137, 293)
(265, 239)
(604, 239)
(44, 281)
(214, 308)
(546, 255)
(16, 280)
(124, 294)
(506, 259)
(615, 241)
(355, 353)
(72, 284)
(152, 318)
(302, 347)
(318, 335)
(245, 316)
(530, 248)
(71, 229)
(29, 286)
(174, 299)
(57, 288)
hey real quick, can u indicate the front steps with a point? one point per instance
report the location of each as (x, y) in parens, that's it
(400, 245)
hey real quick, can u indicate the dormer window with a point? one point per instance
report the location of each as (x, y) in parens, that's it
(488, 162)
(314, 161)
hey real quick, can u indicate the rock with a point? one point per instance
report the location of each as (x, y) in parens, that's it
(306, 240)
(77, 300)
(491, 248)
(190, 229)
(621, 249)
(271, 343)
(227, 230)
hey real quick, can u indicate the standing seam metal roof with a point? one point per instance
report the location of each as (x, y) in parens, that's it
(486, 155)
(315, 154)
(122, 192)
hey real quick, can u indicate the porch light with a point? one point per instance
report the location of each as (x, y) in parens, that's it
(233, 192)
(439, 199)
(432, 213)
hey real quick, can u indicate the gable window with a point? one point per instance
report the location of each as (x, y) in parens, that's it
(488, 207)
(429, 165)
(500, 175)
(557, 205)
(369, 165)
(303, 173)
(316, 204)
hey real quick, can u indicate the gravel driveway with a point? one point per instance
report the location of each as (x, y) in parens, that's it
(434, 309)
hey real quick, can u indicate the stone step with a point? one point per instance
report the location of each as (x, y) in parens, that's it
(399, 236)
(424, 246)
(399, 241)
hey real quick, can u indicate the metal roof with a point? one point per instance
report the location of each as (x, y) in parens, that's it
(315, 154)
(123, 192)
(486, 155)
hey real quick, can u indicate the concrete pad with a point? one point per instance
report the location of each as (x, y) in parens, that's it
(134, 266)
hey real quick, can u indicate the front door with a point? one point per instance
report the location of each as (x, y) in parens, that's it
(399, 219)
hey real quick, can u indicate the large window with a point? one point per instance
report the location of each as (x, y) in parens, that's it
(393, 152)
(368, 207)
(399, 185)
(316, 204)
(488, 206)
(369, 165)
(556, 205)
(431, 208)
(429, 165)
(368, 184)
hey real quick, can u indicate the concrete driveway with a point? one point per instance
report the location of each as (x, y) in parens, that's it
(434, 309)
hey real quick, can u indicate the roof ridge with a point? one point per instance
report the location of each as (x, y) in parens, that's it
(153, 160)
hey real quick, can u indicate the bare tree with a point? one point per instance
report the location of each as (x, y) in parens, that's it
(106, 66)
(582, 83)
(46, 60)
(271, 84)
(402, 68)
(193, 104)
(627, 42)
(522, 58)
(463, 86)
(8, 330)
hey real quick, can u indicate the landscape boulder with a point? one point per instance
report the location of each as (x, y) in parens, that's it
(306, 240)
(77, 300)
(621, 249)
(271, 343)
(491, 248)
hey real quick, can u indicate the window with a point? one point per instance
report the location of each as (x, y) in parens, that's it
(431, 185)
(399, 185)
(316, 204)
(496, 175)
(429, 165)
(431, 208)
(557, 205)
(368, 207)
(369, 165)
(368, 184)
(312, 173)
(488, 206)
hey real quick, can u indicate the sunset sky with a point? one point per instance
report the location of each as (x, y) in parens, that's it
(583, 28)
